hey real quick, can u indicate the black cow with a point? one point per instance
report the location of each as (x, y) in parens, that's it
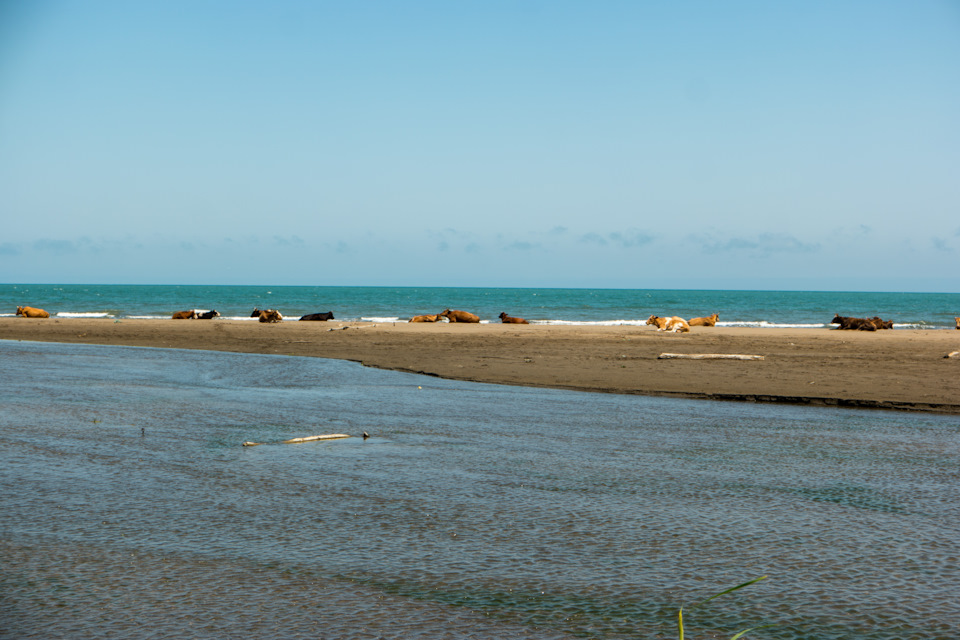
(861, 324)
(208, 315)
(328, 315)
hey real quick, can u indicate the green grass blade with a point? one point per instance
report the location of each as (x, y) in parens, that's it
(680, 622)
(739, 586)
(746, 631)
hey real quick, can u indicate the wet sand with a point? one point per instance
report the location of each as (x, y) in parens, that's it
(899, 369)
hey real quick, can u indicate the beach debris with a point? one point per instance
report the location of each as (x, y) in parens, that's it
(366, 326)
(328, 436)
(953, 354)
(707, 356)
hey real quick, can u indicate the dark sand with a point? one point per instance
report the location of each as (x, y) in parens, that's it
(899, 369)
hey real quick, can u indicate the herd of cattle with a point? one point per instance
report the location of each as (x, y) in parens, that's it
(670, 323)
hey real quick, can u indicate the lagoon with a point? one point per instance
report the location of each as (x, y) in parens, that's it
(130, 508)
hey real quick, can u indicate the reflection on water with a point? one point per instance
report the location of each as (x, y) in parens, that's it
(130, 508)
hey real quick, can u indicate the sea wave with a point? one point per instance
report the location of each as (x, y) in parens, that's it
(592, 323)
(84, 314)
(764, 324)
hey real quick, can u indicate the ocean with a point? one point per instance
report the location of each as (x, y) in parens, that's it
(807, 309)
(129, 507)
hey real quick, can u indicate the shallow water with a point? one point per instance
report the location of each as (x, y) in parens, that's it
(130, 508)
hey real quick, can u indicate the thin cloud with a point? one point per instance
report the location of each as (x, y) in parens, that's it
(292, 241)
(10, 249)
(522, 245)
(593, 238)
(450, 239)
(630, 238)
(56, 247)
(764, 244)
(941, 245)
(625, 239)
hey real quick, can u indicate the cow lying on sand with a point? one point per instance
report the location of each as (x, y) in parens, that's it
(32, 312)
(958, 321)
(326, 315)
(459, 316)
(427, 318)
(267, 315)
(709, 321)
(861, 324)
(673, 323)
(190, 314)
(505, 319)
(208, 315)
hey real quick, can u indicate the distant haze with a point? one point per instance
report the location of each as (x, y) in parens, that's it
(705, 145)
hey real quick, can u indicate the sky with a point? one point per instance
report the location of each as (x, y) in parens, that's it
(620, 144)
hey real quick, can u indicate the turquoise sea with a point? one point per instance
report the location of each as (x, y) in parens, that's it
(553, 306)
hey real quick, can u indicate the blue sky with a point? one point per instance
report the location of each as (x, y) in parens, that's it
(719, 145)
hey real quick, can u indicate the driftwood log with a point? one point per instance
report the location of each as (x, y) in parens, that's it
(707, 356)
(329, 436)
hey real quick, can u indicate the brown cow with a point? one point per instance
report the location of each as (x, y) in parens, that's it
(459, 316)
(505, 319)
(32, 312)
(958, 321)
(709, 321)
(848, 323)
(270, 315)
(428, 318)
(675, 324)
(185, 315)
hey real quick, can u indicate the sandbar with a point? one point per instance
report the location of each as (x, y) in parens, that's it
(899, 370)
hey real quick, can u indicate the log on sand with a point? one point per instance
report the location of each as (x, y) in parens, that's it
(706, 356)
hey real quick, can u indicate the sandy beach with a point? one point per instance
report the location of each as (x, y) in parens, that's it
(900, 369)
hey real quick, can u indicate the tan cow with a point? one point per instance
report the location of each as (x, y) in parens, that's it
(958, 321)
(32, 312)
(427, 318)
(460, 316)
(270, 315)
(709, 321)
(505, 319)
(675, 324)
(185, 315)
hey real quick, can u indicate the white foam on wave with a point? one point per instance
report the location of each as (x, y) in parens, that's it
(592, 323)
(84, 314)
(385, 319)
(763, 324)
